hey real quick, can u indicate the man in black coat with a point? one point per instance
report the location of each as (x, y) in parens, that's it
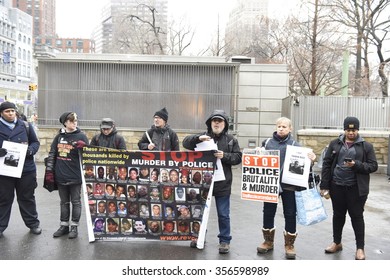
(230, 154)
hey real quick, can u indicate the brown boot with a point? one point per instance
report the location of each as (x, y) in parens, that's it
(268, 243)
(289, 239)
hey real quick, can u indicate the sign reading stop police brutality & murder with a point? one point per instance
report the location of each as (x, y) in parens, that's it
(260, 175)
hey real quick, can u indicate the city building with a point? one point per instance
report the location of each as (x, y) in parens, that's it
(246, 25)
(71, 45)
(16, 58)
(43, 13)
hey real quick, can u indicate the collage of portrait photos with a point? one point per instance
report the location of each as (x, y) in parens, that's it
(146, 201)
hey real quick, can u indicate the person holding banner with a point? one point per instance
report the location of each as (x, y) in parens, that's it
(280, 139)
(346, 169)
(13, 129)
(230, 154)
(108, 136)
(160, 137)
(63, 168)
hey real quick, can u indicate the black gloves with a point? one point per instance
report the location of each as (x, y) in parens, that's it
(3, 152)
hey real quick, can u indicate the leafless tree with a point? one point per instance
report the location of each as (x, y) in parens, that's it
(359, 16)
(378, 31)
(181, 35)
(144, 32)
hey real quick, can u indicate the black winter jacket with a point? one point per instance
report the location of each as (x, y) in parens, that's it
(112, 141)
(226, 143)
(365, 163)
(164, 138)
(64, 158)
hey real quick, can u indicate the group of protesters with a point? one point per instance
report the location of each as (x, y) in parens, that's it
(347, 165)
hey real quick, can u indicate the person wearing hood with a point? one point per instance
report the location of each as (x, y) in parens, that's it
(346, 169)
(108, 136)
(13, 129)
(160, 137)
(63, 168)
(230, 154)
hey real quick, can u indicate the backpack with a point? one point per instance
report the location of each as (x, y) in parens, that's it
(27, 127)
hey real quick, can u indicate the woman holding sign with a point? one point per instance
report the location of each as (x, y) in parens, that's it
(279, 141)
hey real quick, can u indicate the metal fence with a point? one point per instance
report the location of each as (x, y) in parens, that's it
(131, 92)
(330, 111)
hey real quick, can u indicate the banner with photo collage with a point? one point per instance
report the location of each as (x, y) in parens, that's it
(144, 194)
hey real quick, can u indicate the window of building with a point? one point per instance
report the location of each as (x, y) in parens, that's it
(68, 43)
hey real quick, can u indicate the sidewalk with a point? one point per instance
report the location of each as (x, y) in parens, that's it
(18, 244)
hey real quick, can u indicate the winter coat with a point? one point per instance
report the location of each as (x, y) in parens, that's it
(164, 138)
(64, 158)
(22, 134)
(276, 143)
(365, 163)
(226, 143)
(113, 140)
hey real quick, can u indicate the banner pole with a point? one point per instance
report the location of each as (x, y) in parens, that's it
(84, 192)
(206, 212)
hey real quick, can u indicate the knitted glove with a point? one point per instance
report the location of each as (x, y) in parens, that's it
(49, 177)
(79, 144)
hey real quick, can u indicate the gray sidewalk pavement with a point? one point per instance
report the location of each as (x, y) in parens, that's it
(246, 217)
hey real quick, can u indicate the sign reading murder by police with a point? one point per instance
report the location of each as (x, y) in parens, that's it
(144, 194)
(260, 175)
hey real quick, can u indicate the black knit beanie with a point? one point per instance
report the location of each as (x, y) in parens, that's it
(351, 123)
(163, 113)
(7, 105)
(64, 117)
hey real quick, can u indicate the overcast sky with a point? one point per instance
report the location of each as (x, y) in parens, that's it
(78, 18)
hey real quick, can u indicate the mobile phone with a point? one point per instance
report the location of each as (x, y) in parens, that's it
(347, 159)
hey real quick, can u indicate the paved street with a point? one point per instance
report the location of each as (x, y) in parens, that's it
(18, 244)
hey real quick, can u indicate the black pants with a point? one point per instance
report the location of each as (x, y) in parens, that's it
(25, 192)
(346, 198)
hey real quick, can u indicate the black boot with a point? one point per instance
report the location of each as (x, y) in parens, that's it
(73, 232)
(61, 231)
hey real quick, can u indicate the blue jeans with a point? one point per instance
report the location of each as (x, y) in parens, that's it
(70, 194)
(223, 211)
(289, 211)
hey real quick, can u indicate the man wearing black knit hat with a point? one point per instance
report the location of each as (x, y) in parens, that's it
(160, 137)
(13, 129)
(346, 169)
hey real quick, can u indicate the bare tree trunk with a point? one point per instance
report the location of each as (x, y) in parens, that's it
(313, 86)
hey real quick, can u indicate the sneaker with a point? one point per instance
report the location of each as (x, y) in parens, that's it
(193, 244)
(36, 230)
(61, 231)
(73, 232)
(224, 248)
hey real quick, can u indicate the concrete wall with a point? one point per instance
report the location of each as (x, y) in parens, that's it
(261, 88)
(316, 139)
